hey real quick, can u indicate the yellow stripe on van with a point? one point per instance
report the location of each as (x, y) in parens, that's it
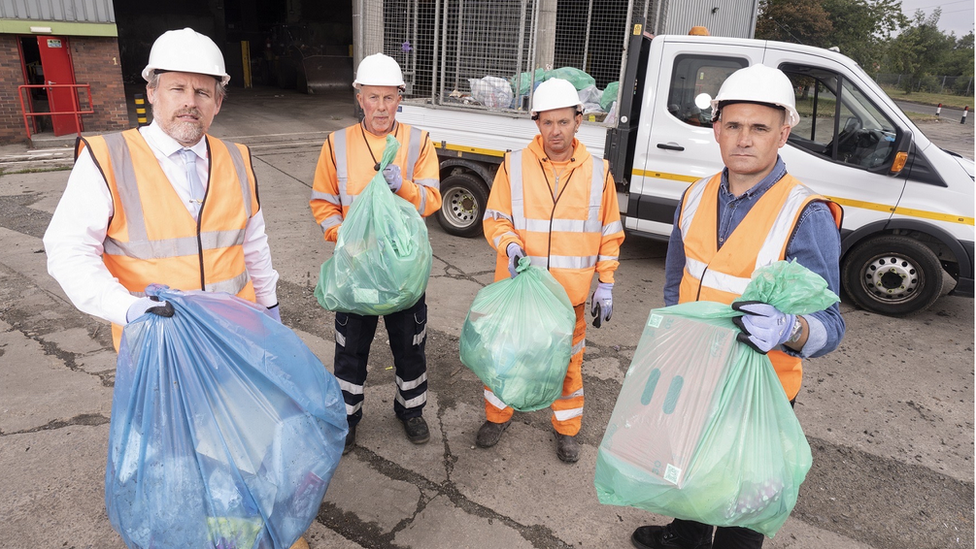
(909, 212)
(462, 150)
(886, 208)
(662, 175)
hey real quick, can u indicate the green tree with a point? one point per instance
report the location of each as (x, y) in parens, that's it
(799, 21)
(921, 48)
(862, 28)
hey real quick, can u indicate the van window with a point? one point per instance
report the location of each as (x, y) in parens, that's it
(853, 132)
(695, 74)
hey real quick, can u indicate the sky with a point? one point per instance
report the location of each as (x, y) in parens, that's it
(957, 15)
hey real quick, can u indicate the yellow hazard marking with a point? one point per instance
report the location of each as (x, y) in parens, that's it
(461, 150)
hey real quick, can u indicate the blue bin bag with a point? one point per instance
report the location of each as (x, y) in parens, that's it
(225, 428)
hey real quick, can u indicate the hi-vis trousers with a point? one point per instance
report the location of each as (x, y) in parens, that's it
(567, 409)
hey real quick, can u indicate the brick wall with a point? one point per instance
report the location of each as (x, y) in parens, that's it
(11, 76)
(96, 62)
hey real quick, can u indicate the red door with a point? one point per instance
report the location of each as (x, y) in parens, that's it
(56, 64)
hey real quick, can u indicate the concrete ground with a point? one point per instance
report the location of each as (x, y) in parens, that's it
(889, 415)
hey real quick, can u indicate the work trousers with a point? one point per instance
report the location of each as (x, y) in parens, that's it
(731, 537)
(407, 330)
(567, 410)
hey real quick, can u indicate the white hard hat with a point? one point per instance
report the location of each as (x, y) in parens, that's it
(758, 84)
(186, 51)
(378, 70)
(555, 93)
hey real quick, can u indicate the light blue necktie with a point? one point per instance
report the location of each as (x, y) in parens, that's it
(193, 180)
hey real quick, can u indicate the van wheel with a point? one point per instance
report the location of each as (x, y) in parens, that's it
(464, 199)
(892, 275)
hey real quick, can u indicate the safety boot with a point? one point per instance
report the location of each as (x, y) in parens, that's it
(489, 433)
(416, 430)
(567, 449)
(350, 440)
(662, 537)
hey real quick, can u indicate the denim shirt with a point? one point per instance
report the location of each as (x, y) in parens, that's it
(815, 244)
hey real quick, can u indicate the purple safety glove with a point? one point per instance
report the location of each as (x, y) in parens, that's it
(274, 312)
(763, 326)
(601, 303)
(515, 252)
(392, 176)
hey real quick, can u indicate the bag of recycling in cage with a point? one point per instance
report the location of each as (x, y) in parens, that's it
(225, 428)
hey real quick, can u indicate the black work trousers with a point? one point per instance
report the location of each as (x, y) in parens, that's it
(731, 537)
(407, 330)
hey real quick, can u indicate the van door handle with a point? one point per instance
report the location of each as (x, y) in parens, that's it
(670, 147)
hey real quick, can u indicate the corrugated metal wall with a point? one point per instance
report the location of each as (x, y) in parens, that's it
(81, 11)
(732, 18)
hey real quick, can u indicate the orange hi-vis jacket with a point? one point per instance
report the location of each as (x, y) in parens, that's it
(721, 274)
(152, 238)
(573, 231)
(347, 164)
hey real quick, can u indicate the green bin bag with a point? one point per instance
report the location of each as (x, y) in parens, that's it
(609, 96)
(702, 429)
(382, 257)
(518, 338)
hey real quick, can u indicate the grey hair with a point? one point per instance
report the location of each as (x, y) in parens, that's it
(220, 91)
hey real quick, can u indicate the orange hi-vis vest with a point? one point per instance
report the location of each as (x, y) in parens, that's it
(354, 155)
(574, 234)
(721, 274)
(153, 238)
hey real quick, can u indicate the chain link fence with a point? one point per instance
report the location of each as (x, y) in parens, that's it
(957, 85)
(491, 54)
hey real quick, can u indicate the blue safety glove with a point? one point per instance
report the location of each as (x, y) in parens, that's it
(274, 312)
(763, 326)
(392, 176)
(515, 252)
(145, 305)
(601, 303)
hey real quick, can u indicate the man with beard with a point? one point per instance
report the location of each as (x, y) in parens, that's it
(164, 203)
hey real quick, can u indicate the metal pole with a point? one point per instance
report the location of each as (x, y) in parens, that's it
(413, 46)
(443, 57)
(460, 32)
(533, 31)
(436, 52)
(518, 63)
(586, 42)
(623, 57)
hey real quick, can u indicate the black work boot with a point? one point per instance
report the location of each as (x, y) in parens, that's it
(662, 537)
(489, 433)
(567, 449)
(416, 429)
(350, 440)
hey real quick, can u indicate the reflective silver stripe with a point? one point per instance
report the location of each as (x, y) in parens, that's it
(692, 200)
(495, 214)
(339, 149)
(564, 415)
(419, 338)
(330, 222)
(714, 279)
(577, 393)
(607, 258)
(125, 181)
(579, 347)
(594, 223)
(613, 228)
(572, 261)
(782, 228)
(349, 387)
(498, 239)
(407, 385)
(413, 402)
(340, 339)
(423, 201)
(350, 410)
(577, 225)
(413, 150)
(238, 160)
(494, 401)
(232, 286)
(432, 183)
(540, 261)
(515, 180)
(330, 198)
(174, 247)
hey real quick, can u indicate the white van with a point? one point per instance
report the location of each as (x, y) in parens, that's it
(908, 205)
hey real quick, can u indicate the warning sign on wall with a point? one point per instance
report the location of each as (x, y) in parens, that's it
(54, 42)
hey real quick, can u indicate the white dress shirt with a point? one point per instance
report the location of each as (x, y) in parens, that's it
(73, 240)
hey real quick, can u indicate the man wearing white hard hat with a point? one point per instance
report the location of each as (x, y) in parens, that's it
(567, 221)
(137, 202)
(749, 215)
(349, 159)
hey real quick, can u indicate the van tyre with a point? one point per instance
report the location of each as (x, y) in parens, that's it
(464, 199)
(892, 275)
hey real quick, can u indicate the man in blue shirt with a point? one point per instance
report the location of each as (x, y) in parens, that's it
(715, 243)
